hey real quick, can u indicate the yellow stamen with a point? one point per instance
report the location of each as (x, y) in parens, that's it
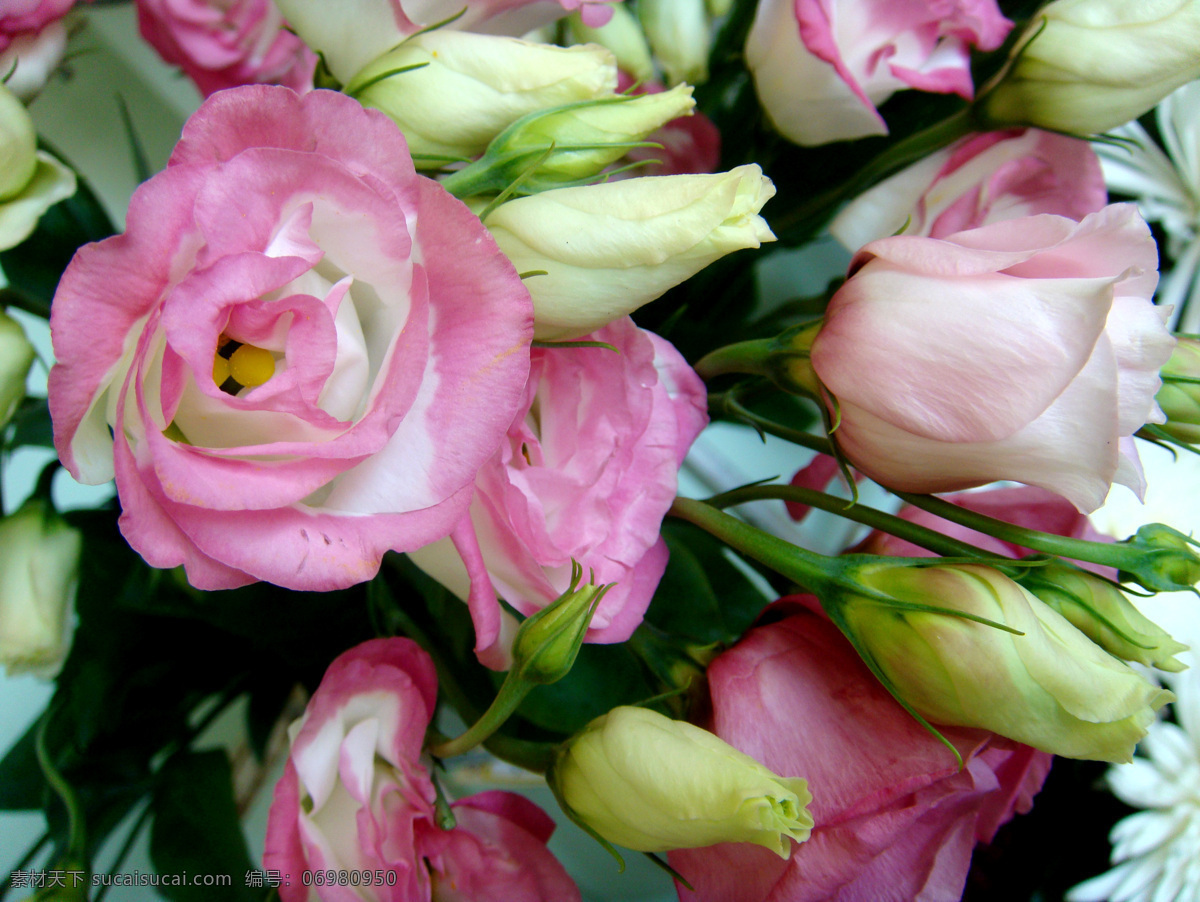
(220, 370)
(251, 366)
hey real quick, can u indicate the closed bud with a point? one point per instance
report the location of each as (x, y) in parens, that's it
(16, 357)
(452, 92)
(1102, 612)
(623, 36)
(548, 642)
(608, 249)
(1167, 564)
(18, 146)
(649, 783)
(1086, 66)
(1179, 396)
(31, 181)
(1044, 684)
(679, 33)
(39, 563)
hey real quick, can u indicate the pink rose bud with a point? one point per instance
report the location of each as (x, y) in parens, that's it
(298, 355)
(1025, 350)
(356, 796)
(821, 67)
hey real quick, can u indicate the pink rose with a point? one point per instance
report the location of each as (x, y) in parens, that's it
(979, 180)
(1025, 350)
(226, 43)
(349, 34)
(587, 473)
(304, 351)
(895, 818)
(821, 67)
(355, 797)
(32, 41)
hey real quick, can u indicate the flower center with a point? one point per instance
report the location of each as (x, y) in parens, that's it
(237, 366)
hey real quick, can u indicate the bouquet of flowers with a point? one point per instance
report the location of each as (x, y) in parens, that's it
(430, 369)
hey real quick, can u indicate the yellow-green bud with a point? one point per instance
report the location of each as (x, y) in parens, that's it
(649, 783)
(622, 35)
(1049, 687)
(1086, 66)
(679, 33)
(1179, 396)
(39, 562)
(548, 642)
(470, 87)
(1170, 563)
(18, 145)
(1102, 612)
(16, 357)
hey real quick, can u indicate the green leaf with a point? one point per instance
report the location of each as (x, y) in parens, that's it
(32, 424)
(603, 677)
(196, 829)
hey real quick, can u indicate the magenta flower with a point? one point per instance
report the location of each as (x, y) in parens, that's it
(356, 799)
(304, 351)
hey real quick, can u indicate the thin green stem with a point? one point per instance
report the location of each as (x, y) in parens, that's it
(126, 847)
(741, 357)
(734, 408)
(26, 859)
(77, 835)
(508, 699)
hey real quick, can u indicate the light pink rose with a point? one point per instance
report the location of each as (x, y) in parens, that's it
(895, 818)
(587, 473)
(396, 331)
(32, 41)
(821, 67)
(356, 797)
(226, 43)
(1025, 350)
(976, 181)
(349, 34)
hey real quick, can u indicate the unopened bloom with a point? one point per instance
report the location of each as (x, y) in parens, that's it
(623, 35)
(1085, 66)
(649, 783)
(821, 67)
(16, 357)
(39, 565)
(1179, 397)
(680, 35)
(1046, 685)
(356, 796)
(976, 181)
(31, 181)
(608, 249)
(470, 87)
(1027, 350)
(297, 356)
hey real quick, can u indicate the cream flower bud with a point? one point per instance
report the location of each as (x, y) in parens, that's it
(623, 36)
(649, 783)
(16, 357)
(1049, 687)
(679, 32)
(18, 146)
(39, 562)
(608, 249)
(1179, 396)
(1086, 66)
(470, 87)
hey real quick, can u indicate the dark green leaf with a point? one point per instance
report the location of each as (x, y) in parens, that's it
(33, 426)
(22, 786)
(603, 677)
(196, 829)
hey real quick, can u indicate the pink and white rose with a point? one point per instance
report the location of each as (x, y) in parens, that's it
(1025, 350)
(356, 796)
(587, 472)
(821, 67)
(387, 343)
(977, 181)
(895, 819)
(227, 43)
(32, 41)
(349, 34)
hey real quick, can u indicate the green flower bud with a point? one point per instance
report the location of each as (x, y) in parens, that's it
(452, 92)
(31, 181)
(1179, 396)
(622, 35)
(1102, 612)
(1086, 66)
(649, 783)
(548, 642)
(1168, 565)
(1046, 684)
(16, 357)
(679, 33)
(18, 145)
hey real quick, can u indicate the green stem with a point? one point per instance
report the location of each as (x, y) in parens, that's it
(817, 210)
(504, 705)
(729, 403)
(923, 536)
(14, 297)
(126, 848)
(805, 568)
(77, 841)
(26, 859)
(1106, 553)
(740, 357)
